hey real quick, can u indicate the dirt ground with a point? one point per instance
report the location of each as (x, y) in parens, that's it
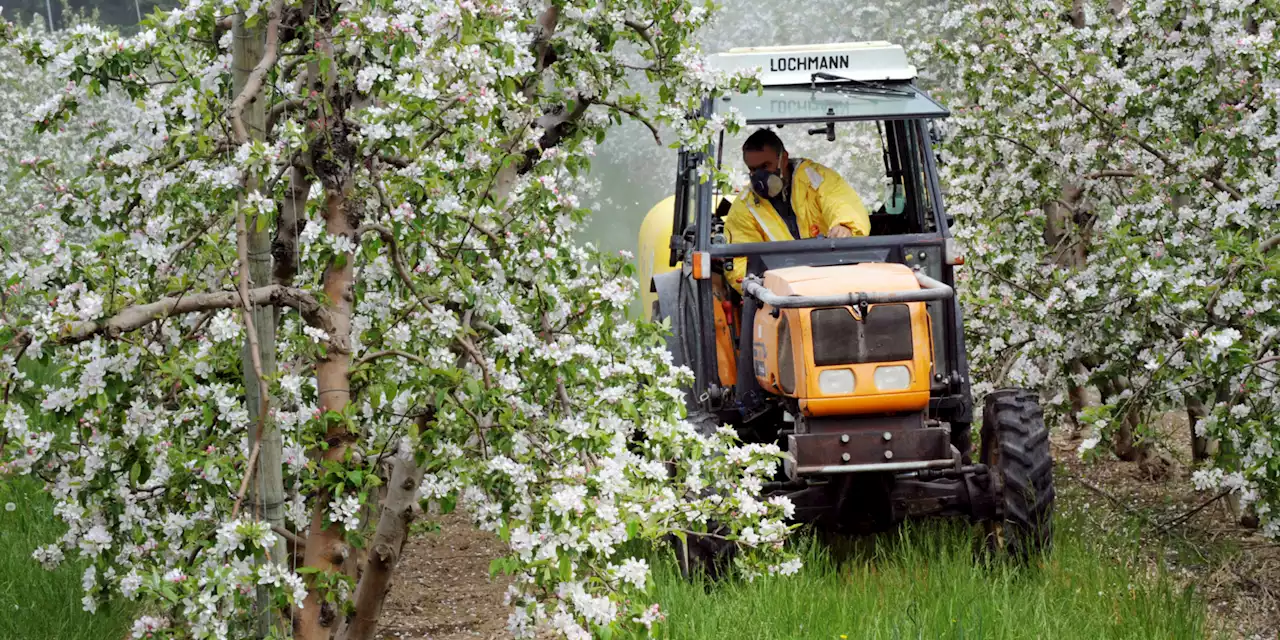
(443, 590)
(1233, 568)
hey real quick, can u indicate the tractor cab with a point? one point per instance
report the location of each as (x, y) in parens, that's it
(855, 98)
(847, 352)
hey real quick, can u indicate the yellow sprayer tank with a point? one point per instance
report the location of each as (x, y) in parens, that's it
(654, 249)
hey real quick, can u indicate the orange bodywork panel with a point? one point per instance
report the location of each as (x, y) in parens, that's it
(784, 358)
(764, 348)
(726, 348)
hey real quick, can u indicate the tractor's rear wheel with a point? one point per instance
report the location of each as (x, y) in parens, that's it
(1015, 447)
(677, 346)
(962, 439)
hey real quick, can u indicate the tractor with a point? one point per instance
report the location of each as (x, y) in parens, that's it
(848, 353)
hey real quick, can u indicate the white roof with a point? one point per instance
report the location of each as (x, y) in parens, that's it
(866, 61)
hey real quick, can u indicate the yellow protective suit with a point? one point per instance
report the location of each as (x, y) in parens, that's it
(820, 199)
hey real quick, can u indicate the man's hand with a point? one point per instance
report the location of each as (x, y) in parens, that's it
(839, 231)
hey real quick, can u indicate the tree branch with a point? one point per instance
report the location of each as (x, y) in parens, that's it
(562, 394)
(396, 260)
(255, 355)
(389, 353)
(637, 115)
(281, 108)
(297, 542)
(248, 473)
(643, 31)
(1187, 516)
(399, 162)
(186, 244)
(137, 316)
(1111, 173)
(472, 351)
(254, 83)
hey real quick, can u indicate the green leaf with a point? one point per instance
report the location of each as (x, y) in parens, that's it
(566, 568)
(448, 504)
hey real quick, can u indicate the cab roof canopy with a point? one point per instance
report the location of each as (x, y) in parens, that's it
(835, 82)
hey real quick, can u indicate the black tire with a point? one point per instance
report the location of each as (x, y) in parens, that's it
(656, 315)
(1015, 447)
(962, 438)
(706, 555)
(677, 347)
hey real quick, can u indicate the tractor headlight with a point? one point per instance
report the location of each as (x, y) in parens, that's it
(836, 382)
(895, 378)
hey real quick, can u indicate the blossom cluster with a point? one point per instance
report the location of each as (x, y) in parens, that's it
(1113, 171)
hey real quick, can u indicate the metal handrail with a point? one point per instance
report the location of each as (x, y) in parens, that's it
(930, 291)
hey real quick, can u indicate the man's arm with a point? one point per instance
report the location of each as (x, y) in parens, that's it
(739, 228)
(841, 206)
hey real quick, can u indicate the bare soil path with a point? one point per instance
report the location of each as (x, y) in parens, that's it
(442, 590)
(1233, 568)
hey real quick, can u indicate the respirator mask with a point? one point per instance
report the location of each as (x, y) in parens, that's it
(768, 184)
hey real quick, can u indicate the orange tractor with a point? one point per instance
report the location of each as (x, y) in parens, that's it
(849, 353)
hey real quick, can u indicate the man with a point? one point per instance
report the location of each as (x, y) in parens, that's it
(789, 200)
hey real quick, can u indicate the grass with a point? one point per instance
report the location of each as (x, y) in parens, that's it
(36, 604)
(923, 582)
(919, 582)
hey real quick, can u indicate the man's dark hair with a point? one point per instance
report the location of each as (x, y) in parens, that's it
(762, 139)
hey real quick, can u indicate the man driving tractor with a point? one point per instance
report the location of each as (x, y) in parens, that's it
(790, 200)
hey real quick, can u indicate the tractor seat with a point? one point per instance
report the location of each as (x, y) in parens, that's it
(887, 224)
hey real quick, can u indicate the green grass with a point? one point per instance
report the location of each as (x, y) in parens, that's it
(36, 604)
(924, 582)
(920, 582)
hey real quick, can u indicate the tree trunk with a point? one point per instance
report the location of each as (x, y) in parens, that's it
(1078, 395)
(326, 549)
(1068, 252)
(1077, 14)
(1124, 440)
(284, 249)
(1200, 448)
(266, 492)
(398, 510)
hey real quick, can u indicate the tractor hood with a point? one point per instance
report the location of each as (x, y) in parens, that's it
(845, 278)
